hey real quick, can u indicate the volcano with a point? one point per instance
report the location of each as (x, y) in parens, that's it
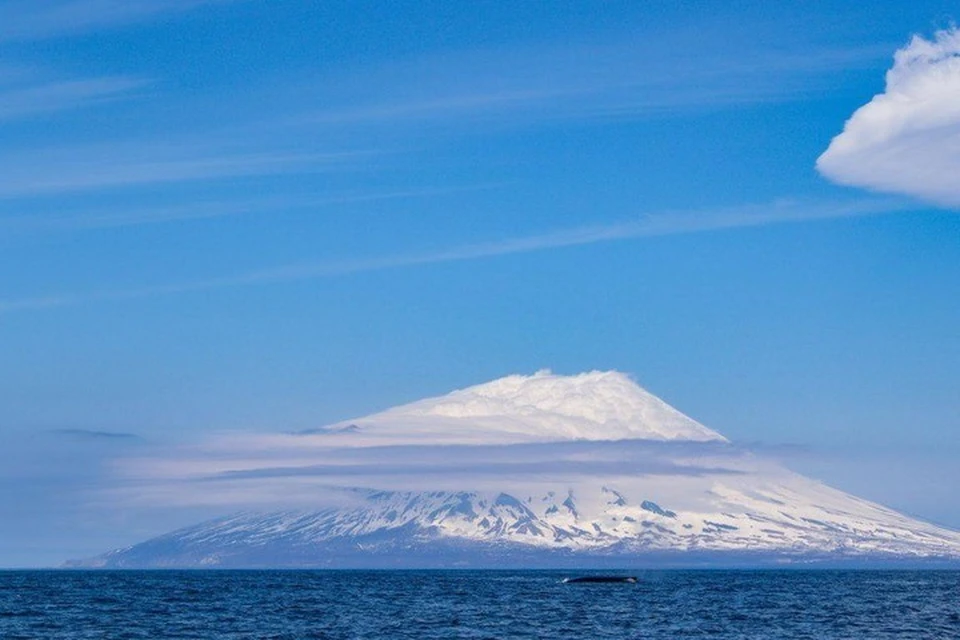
(540, 471)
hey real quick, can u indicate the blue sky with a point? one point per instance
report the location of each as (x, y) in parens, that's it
(242, 215)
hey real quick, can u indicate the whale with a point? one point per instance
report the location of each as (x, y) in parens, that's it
(597, 579)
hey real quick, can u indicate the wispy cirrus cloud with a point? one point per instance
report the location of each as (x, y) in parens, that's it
(627, 77)
(37, 19)
(658, 224)
(110, 217)
(97, 167)
(42, 96)
(95, 434)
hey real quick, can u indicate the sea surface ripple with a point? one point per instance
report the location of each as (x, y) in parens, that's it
(228, 605)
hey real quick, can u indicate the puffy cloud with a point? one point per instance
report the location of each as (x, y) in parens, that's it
(907, 139)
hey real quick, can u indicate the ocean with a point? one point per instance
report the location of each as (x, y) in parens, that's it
(221, 605)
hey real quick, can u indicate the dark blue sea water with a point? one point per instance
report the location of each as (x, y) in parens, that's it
(478, 604)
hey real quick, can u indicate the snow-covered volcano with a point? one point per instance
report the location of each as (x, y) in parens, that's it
(600, 405)
(536, 470)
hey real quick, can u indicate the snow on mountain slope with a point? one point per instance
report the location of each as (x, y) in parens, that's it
(665, 485)
(777, 521)
(599, 405)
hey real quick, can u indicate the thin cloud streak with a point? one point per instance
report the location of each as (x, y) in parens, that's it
(479, 468)
(76, 172)
(61, 95)
(630, 77)
(94, 434)
(647, 226)
(104, 219)
(209, 474)
(39, 19)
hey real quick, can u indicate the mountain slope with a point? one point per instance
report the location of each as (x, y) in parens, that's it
(687, 491)
(544, 407)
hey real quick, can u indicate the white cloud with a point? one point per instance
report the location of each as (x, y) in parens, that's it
(906, 140)
(46, 171)
(282, 470)
(662, 224)
(621, 78)
(518, 429)
(46, 97)
(118, 214)
(36, 19)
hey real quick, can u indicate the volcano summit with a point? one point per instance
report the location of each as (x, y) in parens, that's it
(541, 470)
